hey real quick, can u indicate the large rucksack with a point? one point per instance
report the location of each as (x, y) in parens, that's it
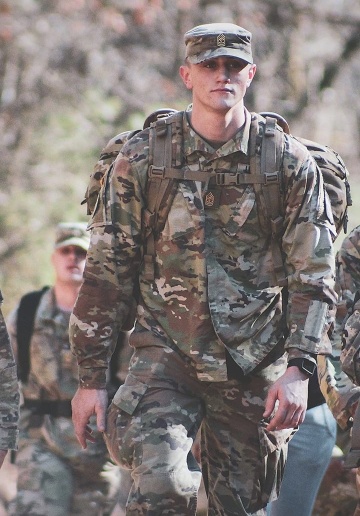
(263, 170)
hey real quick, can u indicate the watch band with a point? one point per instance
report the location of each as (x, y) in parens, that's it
(305, 365)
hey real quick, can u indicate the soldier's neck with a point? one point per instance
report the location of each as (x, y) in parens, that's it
(66, 295)
(215, 126)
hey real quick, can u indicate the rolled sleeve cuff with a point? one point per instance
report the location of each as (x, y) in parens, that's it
(299, 353)
(92, 378)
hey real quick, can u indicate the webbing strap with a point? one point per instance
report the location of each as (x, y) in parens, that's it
(271, 152)
(255, 145)
(266, 162)
(161, 187)
(269, 164)
(216, 178)
(264, 174)
(24, 329)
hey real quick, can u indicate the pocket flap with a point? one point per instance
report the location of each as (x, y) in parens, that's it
(129, 394)
(271, 441)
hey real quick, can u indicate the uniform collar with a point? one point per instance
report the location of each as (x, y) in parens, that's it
(194, 143)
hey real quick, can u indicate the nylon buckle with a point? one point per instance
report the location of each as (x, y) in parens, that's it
(220, 178)
(271, 178)
(158, 172)
(227, 179)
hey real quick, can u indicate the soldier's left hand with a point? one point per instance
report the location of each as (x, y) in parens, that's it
(289, 394)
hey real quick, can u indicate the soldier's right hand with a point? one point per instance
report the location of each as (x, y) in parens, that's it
(84, 404)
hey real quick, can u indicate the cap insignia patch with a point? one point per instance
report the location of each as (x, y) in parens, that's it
(220, 40)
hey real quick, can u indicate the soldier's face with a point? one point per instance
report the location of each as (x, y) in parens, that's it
(220, 83)
(69, 263)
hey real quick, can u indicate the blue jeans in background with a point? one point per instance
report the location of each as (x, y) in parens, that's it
(309, 455)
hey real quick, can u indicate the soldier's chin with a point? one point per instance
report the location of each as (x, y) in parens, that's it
(76, 276)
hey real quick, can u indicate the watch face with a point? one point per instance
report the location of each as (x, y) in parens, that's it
(308, 367)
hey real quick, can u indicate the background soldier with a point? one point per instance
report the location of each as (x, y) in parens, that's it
(338, 494)
(54, 476)
(9, 406)
(9, 394)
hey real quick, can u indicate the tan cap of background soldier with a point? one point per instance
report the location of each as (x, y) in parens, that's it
(217, 39)
(72, 233)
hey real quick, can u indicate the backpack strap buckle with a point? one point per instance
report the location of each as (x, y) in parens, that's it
(228, 179)
(220, 179)
(158, 172)
(271, 178)
(270, 127)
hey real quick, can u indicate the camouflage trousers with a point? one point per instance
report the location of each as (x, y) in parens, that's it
(152, 423)
(49, 485)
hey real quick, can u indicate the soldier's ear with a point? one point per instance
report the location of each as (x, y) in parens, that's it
(252, 71)
(185, 74)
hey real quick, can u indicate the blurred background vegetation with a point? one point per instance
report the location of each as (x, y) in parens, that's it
(73, 73)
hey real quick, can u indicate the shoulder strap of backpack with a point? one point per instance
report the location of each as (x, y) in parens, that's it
(266, 152)
(161, 185)
(24, 329)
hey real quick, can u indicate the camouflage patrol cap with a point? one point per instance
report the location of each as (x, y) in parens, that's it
(218, 39)
(72, 233)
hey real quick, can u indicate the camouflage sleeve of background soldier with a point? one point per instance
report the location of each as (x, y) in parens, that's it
(348, 270)
(9, 392)
(340, 393)
(309, 254)
(112, 263)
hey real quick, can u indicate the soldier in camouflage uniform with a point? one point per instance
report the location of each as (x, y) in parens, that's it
(341, 394)
(9, 394)
(55, 476)
(209, 341)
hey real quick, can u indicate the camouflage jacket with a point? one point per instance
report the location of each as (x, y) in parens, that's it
(9, 392)
(205, 297)
(340, 393)
(52, 376)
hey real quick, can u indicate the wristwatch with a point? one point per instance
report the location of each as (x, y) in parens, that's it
(305, 365)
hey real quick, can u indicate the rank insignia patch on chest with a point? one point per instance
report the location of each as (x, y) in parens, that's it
(209, 199)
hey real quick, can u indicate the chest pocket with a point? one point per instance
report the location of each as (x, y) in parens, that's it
(232, 207)
(185, 215)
